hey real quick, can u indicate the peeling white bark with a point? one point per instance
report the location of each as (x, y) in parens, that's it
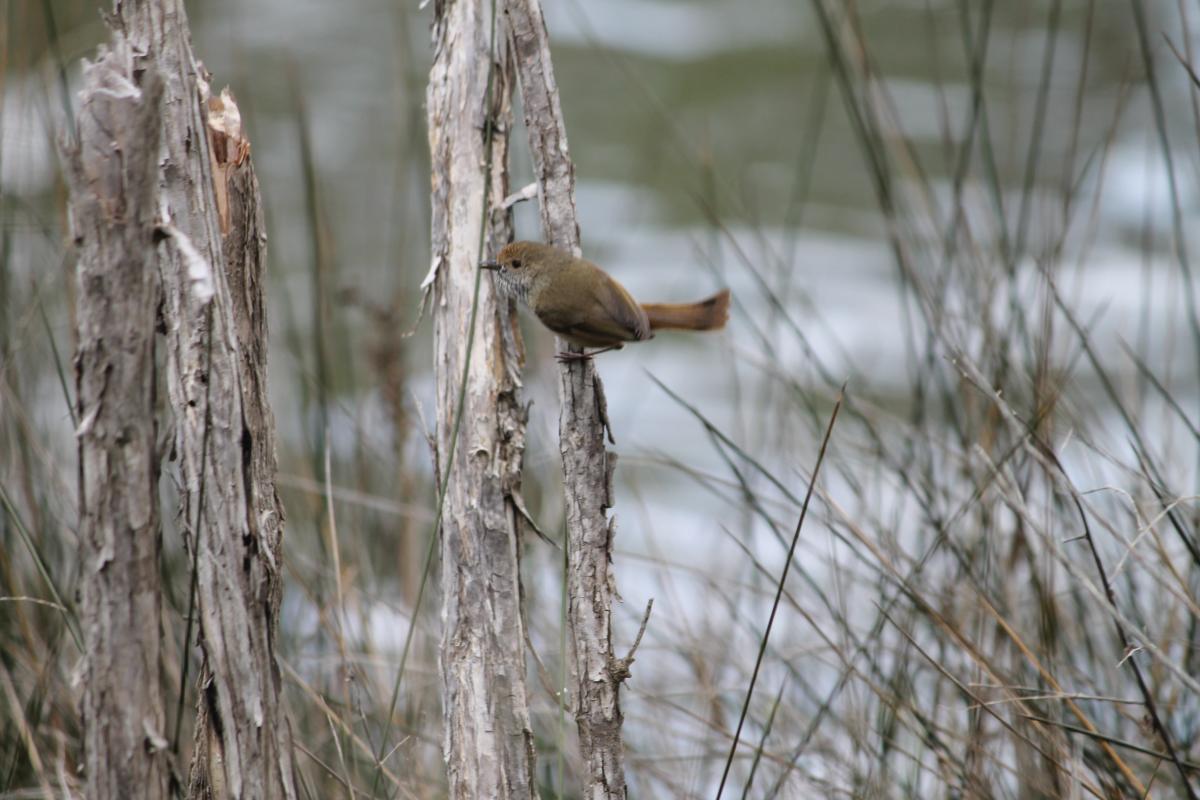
(488, 742)
(112, 170)
(587, 466)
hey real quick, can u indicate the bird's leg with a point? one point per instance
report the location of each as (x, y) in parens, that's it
(566, 355)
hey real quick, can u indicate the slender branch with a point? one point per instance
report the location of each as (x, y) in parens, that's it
(587, 466)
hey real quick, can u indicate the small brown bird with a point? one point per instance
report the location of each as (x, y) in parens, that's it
(584, 305)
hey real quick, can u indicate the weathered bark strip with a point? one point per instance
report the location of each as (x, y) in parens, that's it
(112, 169)
(587, 466)
(488, 742)
(211, 267)
(243, 247)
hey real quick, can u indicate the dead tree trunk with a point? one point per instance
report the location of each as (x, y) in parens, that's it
(211, 262)
(488, 739)
(587, 466)
(240, 586)
(112, 169)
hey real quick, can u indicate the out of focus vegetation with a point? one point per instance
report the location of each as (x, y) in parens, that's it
(979, 214)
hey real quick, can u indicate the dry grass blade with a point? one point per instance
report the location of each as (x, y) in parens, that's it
(762, 648)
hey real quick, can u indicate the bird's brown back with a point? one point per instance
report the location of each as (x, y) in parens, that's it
(583, 304)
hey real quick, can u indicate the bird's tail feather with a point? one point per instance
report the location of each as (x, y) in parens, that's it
(705, 315)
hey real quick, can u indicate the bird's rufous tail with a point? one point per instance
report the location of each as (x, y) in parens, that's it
(705, 315)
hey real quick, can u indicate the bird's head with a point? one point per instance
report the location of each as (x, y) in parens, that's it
(523, 268)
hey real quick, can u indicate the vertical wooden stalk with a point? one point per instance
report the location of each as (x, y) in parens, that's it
(488, 739)
(112, 169)
(587, 465)
(243, 250)
(211, 265)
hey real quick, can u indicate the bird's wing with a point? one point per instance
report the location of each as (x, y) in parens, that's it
(610, 316)
(623, 309)
(596, 329)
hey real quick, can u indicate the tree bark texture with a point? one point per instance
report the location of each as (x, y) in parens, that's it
(256, 587)
(587, 465)
(112, 171)
(488, 744)
(211, 263)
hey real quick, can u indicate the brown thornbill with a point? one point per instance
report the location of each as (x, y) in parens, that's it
(584, 305)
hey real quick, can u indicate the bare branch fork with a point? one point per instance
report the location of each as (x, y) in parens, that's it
(587, 466)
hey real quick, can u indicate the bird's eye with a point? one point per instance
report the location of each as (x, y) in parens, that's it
(516, 263)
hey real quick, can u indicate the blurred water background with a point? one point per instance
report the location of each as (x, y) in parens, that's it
(714, 145)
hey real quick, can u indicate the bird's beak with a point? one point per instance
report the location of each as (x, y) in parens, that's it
(489, 265)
